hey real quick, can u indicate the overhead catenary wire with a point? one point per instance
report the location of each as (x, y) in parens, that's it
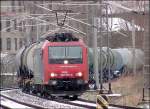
(75, 4)
(56, 24)
(66, 16)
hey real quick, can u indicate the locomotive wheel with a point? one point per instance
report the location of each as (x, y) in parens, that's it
(66, 97)
(52, 97)
(44, 94)
(74, 97)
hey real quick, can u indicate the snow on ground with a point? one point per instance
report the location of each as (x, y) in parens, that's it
(12, 104)
(4, 54)
(20, 96)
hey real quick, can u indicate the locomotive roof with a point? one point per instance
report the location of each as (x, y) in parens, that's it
(61, 37)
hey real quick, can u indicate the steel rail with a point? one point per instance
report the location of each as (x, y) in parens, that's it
(8, 88)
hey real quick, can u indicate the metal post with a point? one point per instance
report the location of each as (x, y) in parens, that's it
(108, 44)
(28, 37)
(143, 95)
(22, 26)
(133, 45)
(37, 33)
(87, 30)
(101, 69)
(96, 55)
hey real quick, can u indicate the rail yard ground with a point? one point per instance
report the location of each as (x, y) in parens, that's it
(129, 86)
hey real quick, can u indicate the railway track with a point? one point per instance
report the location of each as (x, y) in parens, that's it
(7, 102)
(80, 103)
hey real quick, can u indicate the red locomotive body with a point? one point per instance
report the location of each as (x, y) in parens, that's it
(65, 66)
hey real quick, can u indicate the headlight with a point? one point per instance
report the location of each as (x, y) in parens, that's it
(65, 61)
(53, 74)
(79, 74)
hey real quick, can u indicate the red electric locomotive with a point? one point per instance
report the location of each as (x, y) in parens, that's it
(58, 65)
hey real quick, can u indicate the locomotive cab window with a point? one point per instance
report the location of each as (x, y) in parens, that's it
(58, 54)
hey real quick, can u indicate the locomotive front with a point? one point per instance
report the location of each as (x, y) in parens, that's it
(65, 67)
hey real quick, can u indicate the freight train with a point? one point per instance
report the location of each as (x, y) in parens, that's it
(62, 64)
(57, 65)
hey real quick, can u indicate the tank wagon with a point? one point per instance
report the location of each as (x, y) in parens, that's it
(56, 65)
(120, 60)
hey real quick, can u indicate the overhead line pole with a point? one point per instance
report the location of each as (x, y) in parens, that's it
(101, 69)
(37, 32)
(133, 44)
(108, 51)
(96, 71)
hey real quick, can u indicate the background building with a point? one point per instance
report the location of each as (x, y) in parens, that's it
(12, 37)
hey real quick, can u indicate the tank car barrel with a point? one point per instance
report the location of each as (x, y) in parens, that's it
(119, 58)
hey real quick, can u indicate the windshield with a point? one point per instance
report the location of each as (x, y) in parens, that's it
(58, 54)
